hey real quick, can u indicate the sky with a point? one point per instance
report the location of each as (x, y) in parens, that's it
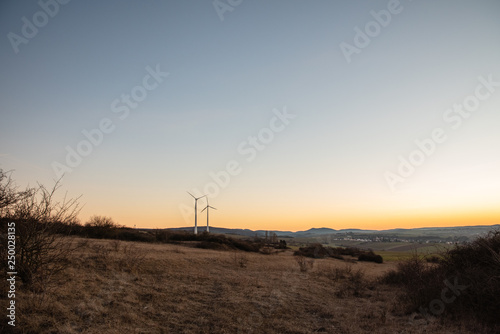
(287, 114)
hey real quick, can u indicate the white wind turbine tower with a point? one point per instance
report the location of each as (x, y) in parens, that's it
(196, 211)
(208, 207)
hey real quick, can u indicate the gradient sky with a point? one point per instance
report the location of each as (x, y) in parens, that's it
(227, 80)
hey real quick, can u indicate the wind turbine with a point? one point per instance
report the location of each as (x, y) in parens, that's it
(208, 207)
(196, 211)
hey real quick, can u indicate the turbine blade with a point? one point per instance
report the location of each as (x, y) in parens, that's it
(191, 194)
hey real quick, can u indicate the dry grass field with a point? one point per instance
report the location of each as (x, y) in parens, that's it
(128, 287)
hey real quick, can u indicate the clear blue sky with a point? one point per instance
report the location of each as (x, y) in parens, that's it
(325, 167)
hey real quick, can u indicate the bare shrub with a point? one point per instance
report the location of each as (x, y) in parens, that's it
(9, 194)
(101, 250)
(101, 227)
(240, 260)
(474, 267)
(178, 250)
(304, 263)
(349, 280)
(101, 222)
(100, 256)
(341, 273)
(476, 264)
(421, 281)
(40, 220)
(409, 271)
(132, 259)
(83, 243)
(115, 245)
(267, 250)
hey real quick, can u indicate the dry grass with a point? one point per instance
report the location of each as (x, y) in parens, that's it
(127, 287)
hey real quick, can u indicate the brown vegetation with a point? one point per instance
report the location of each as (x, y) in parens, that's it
(462, 283)
(319, 251)
(129, 287)
(39, 218)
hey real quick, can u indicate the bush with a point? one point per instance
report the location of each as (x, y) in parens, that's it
(240, 260)
(477, 264)
(39, 220)
(317, 251)
(474, 266)
(282, 244)
(129, 234)
(211, 245)
(304, 263)
(370, 257)
(208, 240)
(433, 259)
(101, 227)
(421, 282)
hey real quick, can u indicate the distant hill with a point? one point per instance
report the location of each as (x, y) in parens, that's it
(458, 231)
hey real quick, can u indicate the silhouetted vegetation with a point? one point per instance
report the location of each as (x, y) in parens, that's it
(432, 259)
(101, 227)
(370, 257)
(105, 228)
(39, 218)
(282, 244)
(206, 240)
(318, 251)
(464, 283)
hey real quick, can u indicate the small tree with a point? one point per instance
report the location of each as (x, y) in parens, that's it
(101, 227)
(101, 222)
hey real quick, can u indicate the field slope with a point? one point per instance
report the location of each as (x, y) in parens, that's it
(127, 287)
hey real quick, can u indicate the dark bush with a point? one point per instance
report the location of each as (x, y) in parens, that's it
(282, 244)
(208, 240)
(101, 227)
(370, 257)
(161, 236)
(128, 234)
(433, 259)
(314, 251)
(474, 267)
(319, 251)
(246, 246)
(211, 245)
